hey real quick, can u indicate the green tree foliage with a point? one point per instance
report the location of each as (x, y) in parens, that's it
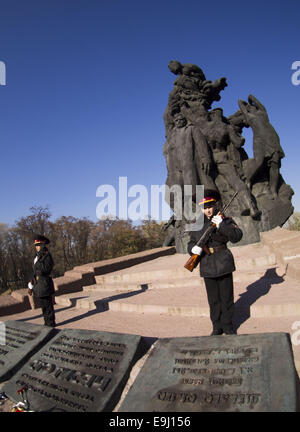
(153, 233)
(73, 242)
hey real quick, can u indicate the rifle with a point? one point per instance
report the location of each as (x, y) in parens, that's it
(194, 259)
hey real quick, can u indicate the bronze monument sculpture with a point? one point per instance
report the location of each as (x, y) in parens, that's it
(203, 147)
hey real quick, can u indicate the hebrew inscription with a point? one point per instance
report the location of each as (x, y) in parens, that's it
(214, 370)
(229, 373)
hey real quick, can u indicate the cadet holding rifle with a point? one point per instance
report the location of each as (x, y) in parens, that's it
(216, 261)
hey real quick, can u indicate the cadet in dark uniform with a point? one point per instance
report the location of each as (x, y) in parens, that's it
(217, 267)
(42, 283)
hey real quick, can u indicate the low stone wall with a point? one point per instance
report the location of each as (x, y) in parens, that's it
(10, 304)
(285, 244)
(74, 280)
(294, 269)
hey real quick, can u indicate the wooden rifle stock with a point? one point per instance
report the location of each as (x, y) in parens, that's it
(194, 260)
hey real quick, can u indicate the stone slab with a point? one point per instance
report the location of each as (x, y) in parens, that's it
(293, 269)
(249, 373)
(18, 341)
(78, 371)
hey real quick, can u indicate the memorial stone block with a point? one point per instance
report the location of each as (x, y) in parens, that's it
(78, 371)
(217, 373)
(18, 341)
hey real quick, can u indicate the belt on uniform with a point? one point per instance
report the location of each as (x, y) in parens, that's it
(217, 248)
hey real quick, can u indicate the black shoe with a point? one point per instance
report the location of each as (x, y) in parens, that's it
(216, 332)
(229, 332)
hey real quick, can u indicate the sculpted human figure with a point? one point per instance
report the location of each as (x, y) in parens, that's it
(186, 91)
(192, 94)
(189, 79)
(188, 156)
(236, 152)
(267, 150)
(220, 136)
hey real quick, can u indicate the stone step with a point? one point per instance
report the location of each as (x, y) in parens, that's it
(167, 283)
(256, 262)
(123, 262)
(123, 287)
(103, 303)
(147, 276)
(259, 311)
(273, 297)
(244, 272)
(183, 311)
(279, 236)
(277, 310)
(74, 274)
(249, 257)
(293, 269)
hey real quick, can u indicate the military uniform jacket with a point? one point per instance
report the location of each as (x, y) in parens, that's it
(42, 268)
(220, 262)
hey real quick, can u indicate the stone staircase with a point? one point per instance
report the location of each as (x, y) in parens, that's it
(163, 285)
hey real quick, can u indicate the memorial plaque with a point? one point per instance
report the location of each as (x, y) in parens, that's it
(18, 341)
(78, 371)
(217, 373)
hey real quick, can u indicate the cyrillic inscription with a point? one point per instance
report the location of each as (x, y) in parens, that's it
(78, 370)
(20, 338)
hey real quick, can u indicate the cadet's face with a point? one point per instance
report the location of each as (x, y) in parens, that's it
(208, 211)
(38, 248)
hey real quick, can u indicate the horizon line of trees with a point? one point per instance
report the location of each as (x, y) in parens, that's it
(73, 242)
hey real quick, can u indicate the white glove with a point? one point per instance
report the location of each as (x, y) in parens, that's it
(217, 220)
(30, 286)
(196, 250)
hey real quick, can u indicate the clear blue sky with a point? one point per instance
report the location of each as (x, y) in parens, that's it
(88, 82)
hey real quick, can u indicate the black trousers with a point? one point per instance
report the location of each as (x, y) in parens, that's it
(46, 303)
(221, 302)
